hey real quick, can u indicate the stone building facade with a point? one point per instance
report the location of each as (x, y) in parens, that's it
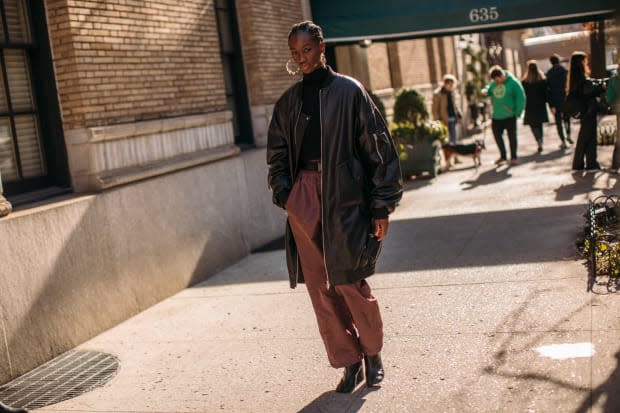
(130, 146)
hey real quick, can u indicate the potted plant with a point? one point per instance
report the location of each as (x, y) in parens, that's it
(418, 139)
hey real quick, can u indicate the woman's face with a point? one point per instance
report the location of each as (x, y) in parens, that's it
(306, 51)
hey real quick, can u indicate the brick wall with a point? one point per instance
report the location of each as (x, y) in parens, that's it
(414, 62)
(379, 66)
(264, 27)
(127, 60)
(450, 56)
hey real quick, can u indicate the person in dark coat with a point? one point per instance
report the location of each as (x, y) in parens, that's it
(556, 80)
(587, 90)
(334, 168)
(535, 87)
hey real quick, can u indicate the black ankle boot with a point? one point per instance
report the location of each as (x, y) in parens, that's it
(374, 369)
(353, 375)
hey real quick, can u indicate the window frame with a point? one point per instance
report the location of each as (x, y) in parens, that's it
(45, 102)
(241, 111)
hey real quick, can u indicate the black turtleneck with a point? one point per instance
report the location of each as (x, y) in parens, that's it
(311, 143)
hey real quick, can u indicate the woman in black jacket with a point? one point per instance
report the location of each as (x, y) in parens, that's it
(586, 90)
(535, 87)
(334, 168)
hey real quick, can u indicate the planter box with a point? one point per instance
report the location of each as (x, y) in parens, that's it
(421, 157)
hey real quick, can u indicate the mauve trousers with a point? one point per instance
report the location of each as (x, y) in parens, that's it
(348, 315)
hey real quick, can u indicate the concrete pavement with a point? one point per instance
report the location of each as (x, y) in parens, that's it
(483, 298)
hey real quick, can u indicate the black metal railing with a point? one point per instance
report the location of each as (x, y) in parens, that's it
(601, 246)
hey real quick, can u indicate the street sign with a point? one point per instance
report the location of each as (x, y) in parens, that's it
(347, 21)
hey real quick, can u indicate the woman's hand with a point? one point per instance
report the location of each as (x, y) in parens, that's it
(381, 228)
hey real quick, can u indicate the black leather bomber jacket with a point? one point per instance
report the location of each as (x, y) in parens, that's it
(360, 172)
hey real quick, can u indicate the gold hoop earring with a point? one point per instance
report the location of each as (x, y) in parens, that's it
(294, 70)
(323, 59)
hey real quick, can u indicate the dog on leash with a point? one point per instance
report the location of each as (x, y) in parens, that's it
(451, 150)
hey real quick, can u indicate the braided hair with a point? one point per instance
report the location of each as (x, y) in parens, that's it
(309, 27)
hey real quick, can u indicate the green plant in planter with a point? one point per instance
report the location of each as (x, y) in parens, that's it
(418, 139)
(410, 108)
(427, 132)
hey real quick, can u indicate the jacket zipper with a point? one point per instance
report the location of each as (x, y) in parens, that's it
(322, 175)
(377, 147)
(293, 156)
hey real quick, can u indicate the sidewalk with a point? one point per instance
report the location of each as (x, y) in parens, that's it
(478, 276)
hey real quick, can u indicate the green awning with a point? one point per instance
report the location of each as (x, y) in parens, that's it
(354, 20)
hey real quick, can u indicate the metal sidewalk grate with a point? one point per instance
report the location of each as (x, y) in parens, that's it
(68, 375)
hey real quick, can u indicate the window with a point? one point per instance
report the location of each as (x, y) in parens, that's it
(234, 79)
(29, 159)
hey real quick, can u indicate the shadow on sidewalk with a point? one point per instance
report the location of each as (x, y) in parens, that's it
(332, 402)
(609, 391)
(541, 158)
(495, 238)
(490, 177)
(482, 239)
(585, 182)
(512, 359)
(512, 346)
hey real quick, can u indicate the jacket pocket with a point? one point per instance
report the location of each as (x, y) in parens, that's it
(349, 183)
(382, 143)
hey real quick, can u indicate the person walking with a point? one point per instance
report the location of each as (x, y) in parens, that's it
(586, 90)
(535, 86)
(444, 107)
(334, 168)
(556, 81)
(508, 101)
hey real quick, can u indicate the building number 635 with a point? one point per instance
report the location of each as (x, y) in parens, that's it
(483, 14)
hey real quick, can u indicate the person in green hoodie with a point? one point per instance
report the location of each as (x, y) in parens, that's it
(508, 99)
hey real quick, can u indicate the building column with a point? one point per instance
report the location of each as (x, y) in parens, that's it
(5, 206)
(352, 60)
(306, 10)
(394, 63)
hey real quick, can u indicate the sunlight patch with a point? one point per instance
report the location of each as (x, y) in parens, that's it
(566, 351)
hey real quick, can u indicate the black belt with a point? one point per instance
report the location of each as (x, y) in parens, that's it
(311, 166)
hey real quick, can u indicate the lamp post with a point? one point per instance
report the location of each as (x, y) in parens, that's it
(5, 206)
(461, 63)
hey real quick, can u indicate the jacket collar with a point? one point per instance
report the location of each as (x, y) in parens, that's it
(329, 78)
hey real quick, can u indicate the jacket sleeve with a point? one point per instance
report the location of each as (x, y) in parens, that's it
(279, 177)
(519, 98)
(379, 156)
(435, 107)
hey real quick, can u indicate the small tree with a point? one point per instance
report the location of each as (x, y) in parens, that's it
(412, 122)
(410, 108)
